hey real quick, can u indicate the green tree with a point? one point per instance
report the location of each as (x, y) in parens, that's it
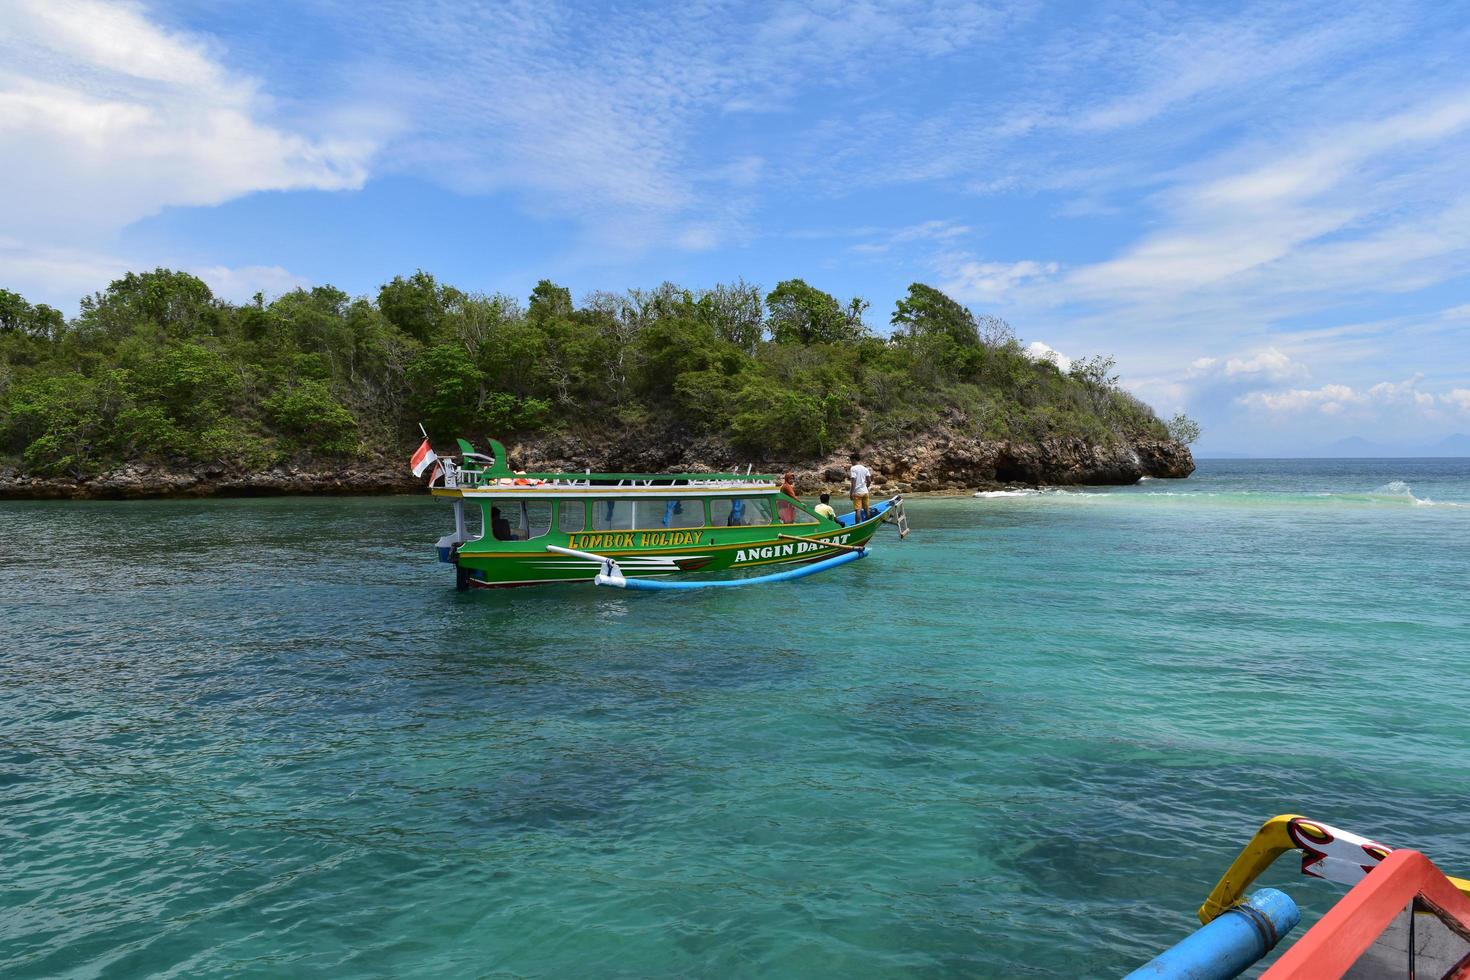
(516, 358)
(191, 384)
(927, 312)
(415, 305)
(1096, 371)
(178, 304)
(802, 314)
(1183, 429)
(735, 312)
(549, 302)
(447, 389)
(312, 418)
(19, 316)
(63, 425)
(316, 320)
(677, 345)
(773, 418)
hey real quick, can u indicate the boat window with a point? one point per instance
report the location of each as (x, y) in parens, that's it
(740, 511)
(571, 515)
(612, 515)
(520, 520)
(681, 512)
(791, 512)
(499, 524)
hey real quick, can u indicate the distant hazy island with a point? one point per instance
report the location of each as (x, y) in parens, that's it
(157, 388)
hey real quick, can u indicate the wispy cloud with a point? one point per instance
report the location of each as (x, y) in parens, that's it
(934, 230)
(989, 282)
(603, 120)
(1279, 213)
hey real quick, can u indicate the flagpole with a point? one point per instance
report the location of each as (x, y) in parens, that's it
(424, 431)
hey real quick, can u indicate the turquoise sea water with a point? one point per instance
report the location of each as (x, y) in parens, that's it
(266, 737)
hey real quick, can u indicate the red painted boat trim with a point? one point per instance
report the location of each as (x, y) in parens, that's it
(1334, 944)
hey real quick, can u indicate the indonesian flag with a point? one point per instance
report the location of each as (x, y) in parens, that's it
(423, 458)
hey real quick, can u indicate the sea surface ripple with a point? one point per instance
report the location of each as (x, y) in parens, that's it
(266, 737)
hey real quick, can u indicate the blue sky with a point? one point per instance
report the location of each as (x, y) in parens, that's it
(1263, 211)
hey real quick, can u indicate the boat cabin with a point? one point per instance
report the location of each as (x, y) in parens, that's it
(517, 509)
(521, 517)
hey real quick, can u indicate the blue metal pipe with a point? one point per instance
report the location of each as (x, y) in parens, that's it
(1229, 944)
(654, 585)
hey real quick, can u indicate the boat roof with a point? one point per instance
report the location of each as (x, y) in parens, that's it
(563, 489)
(475, 474)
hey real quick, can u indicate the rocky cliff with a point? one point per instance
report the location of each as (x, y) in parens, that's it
(940, 461)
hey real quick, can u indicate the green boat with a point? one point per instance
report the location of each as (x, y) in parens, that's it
(546, 528)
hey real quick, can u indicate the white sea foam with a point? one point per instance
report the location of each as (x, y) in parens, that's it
(1395, 488)
(1398, 491)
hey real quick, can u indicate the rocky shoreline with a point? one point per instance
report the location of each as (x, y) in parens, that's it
(938, 463)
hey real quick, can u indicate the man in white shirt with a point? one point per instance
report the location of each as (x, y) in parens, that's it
(860, 476)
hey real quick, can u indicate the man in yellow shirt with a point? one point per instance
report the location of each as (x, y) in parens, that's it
(825, 507)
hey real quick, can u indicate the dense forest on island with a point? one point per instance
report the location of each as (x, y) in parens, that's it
(156, 368)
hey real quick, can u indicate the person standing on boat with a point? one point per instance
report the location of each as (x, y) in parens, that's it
(860, 476)
(825, 507)
(784, 507)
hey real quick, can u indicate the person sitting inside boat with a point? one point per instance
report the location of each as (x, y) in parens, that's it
(499, 526)
(674, 507)
(825, 507)
(785, 508)
(737, 513)
(860, 475)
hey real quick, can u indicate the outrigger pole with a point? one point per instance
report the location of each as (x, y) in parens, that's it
(827, 544)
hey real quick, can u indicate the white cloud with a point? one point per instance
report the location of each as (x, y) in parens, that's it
(1406, 392)
(1459, 399)
(106, 118)
(57, 274)
(70, 273)
(1330, 399)
(1336, 399)
(1267, 364)
(240, 284)
(1038, 351)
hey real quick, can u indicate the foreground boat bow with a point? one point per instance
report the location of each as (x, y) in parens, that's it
(1402, 917)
